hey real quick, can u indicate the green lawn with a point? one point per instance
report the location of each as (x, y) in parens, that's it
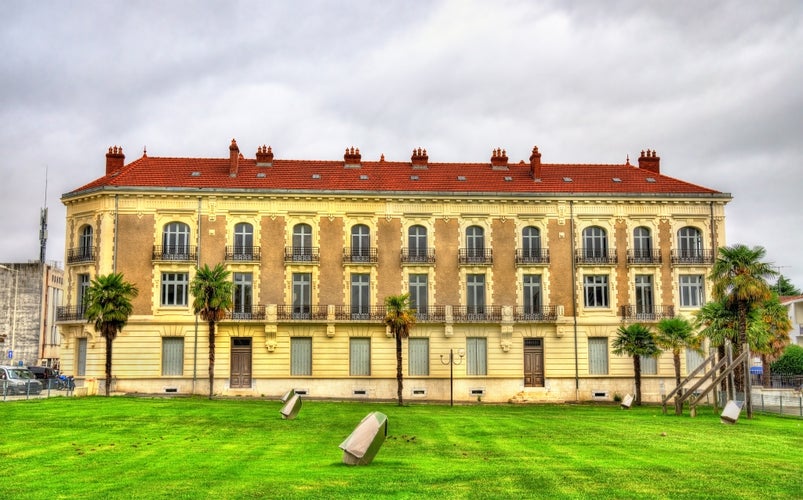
(195, 448)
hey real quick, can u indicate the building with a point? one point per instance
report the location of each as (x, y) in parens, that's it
(794, 307)
(30, 294)
(524, 270)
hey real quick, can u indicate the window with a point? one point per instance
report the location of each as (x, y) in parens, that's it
(475, 243)
(649, 365)
(360, 295)
(476, 356)
(596, 290)
(418, 294)
(80, 357)
(598, 355)
(174, 289)
(172, 355)
(693, 360)
(360, 243)
(85, 244)
(690, 242)
(83, 285)
(302, 242)
(302, 295)
(359, 356)
(243, 240)
(642, 244)
(417, 241)
(475, 293)
(595, 243)
(691, 290)
(532, 294)
(176, 240)
(243, 295)
(531, 243)
(301, 356)
(644, 302)
(418, 356)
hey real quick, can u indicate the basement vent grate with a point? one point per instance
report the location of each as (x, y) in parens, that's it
(171, 389)
(301, 392)
(419, 392)
(478, 391)
(360, 392)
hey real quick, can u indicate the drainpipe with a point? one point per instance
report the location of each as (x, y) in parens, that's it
(574, 306)
(197, 263)
(116, 233)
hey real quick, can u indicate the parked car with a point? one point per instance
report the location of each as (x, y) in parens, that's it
(48, 376)
(18, 380)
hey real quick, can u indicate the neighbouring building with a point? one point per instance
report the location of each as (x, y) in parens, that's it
(30, 294)
(523, 270)
(794, 307)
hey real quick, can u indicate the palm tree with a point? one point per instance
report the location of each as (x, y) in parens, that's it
(635, 340)
(108, 306)
(774, 318)
(213, 299)
(677, 334)
(400, 319)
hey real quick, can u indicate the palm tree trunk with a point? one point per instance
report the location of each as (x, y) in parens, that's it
(637, 371)
(108, 362)
(399, 375)
(211, 357)
(766, 376)
(676, 359)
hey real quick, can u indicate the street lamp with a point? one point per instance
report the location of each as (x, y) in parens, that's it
(452, 362)
(16, 288)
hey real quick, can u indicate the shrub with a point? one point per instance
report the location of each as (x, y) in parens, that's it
(790, 362)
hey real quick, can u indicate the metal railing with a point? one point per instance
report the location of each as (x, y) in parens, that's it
(182, 253)
(418, 255)
(250, 313)
(595, 256)
(243, 253)
(360, 313)
(301, 313)
(543, 313)
(470, 314)
(80, 254)
(359, 255)
(302, 254)
(430, 314)
(643, 256)
(692, 257)
(70, 313)
(474, 256)
(647, 313)
(532, 256)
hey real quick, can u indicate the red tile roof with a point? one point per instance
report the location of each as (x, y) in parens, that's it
(389, 176)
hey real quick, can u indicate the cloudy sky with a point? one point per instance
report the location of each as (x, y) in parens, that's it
(715, 87)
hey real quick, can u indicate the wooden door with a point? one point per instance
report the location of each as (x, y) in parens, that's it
(533, 363)
(240, 363)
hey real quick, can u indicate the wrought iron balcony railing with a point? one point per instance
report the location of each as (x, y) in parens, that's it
(475, 256)
(476, 313)
(430, 314)
(532, 256)
(418, 255)
(361, 313)
(246, 313)
(80, 254)
(70, 313)
(643, 256)
(359, 255)
(182, 253)
(302, 255)
(595, 256)
(646, 313)
(692, 257)
(301, 313)
(238, 253)
(543, 313)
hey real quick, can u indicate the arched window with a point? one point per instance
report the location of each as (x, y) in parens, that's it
(85, 243)
(176, 241)
(302, 242)
(595, 243)
(417, 243)
(243, 239)
(360, 243)
(531, 243)
(642, 243)
(690, 243)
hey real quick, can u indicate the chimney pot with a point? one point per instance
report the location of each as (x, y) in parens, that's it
(234, 158)
(419, 159)
(535, 163)
(115, 159)
(352, 157)
(650, 161)
(499, 159)
(264, 156)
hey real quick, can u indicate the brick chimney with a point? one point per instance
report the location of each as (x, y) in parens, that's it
(650, 161)
(419, 159)
(115, 159)
(264, 156)
(535, 164)
(234, 158)
(499, 159)
(352, 158)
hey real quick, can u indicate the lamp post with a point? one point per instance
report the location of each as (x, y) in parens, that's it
(452, 362)
(16, 288)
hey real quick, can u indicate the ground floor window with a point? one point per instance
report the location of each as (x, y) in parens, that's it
(359, 357)
(418, 356)
(598, 355)
(301, 356)
(80, 357)
(172, 355)
(649, 365)
(476, 356)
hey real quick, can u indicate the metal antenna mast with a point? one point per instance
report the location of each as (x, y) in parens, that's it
(43, 226)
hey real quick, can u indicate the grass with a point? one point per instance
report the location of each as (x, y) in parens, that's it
(195, 448)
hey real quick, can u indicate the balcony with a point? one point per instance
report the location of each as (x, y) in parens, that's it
(247, 313)
(418, 255)
(432, 314)
(643, 257)
(599, 256)
(243, 254)
(70, 313)
(646, 312)
(361, 313)
(475, 256)
(79, 255)
(469, 314)
(175, 253)
(301, 313)
(535, 314)
(360, 255)
(692, 257)
(301, 255)
(532, 256)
